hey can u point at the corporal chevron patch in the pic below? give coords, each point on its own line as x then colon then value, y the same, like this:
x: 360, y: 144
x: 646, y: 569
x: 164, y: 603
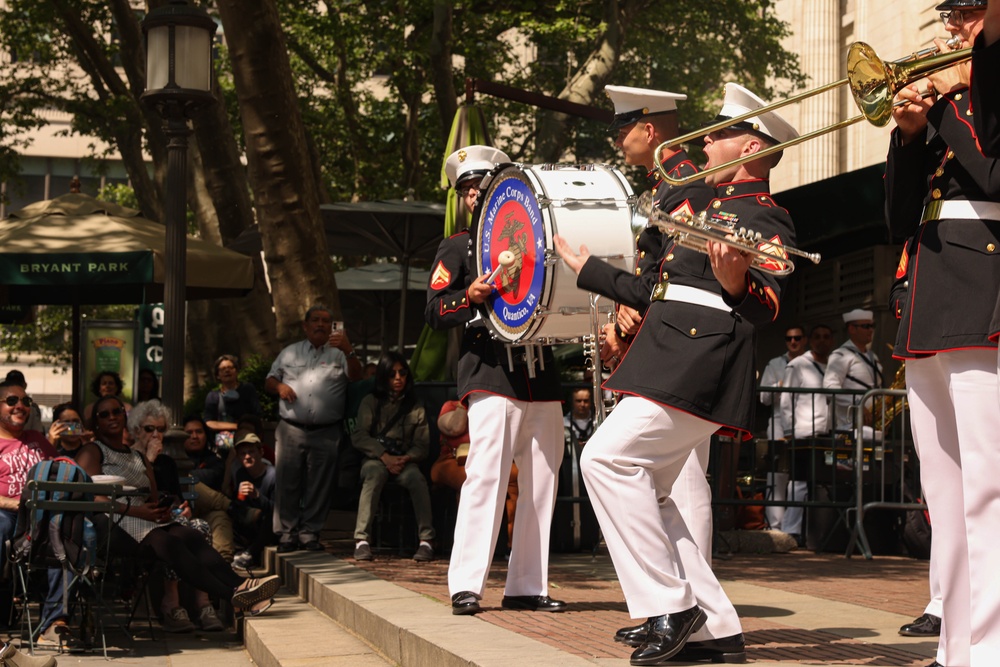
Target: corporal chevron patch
x: 441, y: 277
x: 775, y: 247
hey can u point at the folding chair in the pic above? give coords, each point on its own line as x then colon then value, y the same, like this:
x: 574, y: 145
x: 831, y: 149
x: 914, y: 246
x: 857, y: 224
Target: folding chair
x: 48, y: 502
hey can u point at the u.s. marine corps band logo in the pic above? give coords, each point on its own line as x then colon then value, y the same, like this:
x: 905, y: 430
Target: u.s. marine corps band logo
x: 512, y: 221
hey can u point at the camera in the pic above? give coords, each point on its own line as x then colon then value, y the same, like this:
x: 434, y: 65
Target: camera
x: 73, y: 428
x: 393, y: 446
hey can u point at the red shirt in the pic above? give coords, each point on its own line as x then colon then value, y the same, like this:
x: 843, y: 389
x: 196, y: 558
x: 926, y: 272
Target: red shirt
x: 16, y: 458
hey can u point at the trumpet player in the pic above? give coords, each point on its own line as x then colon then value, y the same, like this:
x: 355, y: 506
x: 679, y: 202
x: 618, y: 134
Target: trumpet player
x: 941, y: 188
x: 644, y: 119
x: 688, y: 374
x: 985, y: 85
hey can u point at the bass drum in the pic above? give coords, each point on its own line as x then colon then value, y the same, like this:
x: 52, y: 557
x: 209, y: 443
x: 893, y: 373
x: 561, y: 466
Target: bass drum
x: 521, y: 208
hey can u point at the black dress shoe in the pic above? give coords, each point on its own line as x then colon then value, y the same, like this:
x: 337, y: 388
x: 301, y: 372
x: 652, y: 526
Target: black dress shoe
x: 634, y: 635
x: 287, y: 547
x: 532, y: 603
x: 667, y: 636
x: 313, y: 545
x: 927, y: 625
x: 730, y: 650
x: 464, y: 603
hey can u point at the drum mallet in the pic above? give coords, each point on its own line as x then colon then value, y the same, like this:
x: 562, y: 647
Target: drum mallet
x: 506, y: 259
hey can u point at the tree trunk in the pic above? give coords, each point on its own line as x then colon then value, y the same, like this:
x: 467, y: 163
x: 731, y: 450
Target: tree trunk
x: 280, y: 172
x: 589, y: 79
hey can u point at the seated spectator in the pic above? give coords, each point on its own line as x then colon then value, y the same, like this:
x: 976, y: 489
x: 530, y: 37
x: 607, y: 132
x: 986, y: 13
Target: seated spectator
x: 146, y: 528
x: 20, y: 449
x: 67, y: 433
x: 35, y: 420
x: 107, y: 383
x: 199, y: 446
x: 579, y: 421
x: 253, y: 501
x: 449, y: 469
x: 232, y: 400
x: 393, y: 435
x: 147, y: 387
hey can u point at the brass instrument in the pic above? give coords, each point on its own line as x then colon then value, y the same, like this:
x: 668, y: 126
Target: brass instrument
x: 694, y: 232
x: 873, y: 84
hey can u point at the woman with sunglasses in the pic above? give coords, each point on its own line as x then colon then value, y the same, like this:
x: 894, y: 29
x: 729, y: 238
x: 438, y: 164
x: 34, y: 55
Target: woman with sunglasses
x: 145, y: 528
x: 393, y: 435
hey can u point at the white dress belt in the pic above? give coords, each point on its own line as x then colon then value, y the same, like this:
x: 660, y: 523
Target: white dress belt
x: 960, y: 209
x: 666, y: 291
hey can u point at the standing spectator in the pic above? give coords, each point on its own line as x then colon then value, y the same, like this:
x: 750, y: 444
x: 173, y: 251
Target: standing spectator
x: 805, y: 415
x: 310, y: 377
x: 393, y: 435
x: 35, y: 420
x: 579, y: 421
x: 107, y: 383
x: 253, y: 501
x: 774, y: 376
x: 225, y: 406
x: 853, y: 365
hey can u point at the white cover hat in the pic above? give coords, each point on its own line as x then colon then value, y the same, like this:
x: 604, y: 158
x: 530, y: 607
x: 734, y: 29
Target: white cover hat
x: 631, y: 104
x: 739, y: 101
x: 471, y: 161
x: 858, y: 315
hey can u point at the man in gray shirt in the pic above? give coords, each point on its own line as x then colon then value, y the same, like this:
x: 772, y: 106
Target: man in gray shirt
x: 310, y: 377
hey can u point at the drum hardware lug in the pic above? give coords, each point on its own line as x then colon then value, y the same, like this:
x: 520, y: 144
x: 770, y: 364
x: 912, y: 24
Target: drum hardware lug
x: 543, y: 201
x: 529, y: 359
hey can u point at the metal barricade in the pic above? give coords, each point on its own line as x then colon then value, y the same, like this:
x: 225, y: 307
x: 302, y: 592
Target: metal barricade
x: 903, y: 479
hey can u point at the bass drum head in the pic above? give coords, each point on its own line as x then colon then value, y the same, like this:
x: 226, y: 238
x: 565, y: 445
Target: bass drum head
x: 510, y: 219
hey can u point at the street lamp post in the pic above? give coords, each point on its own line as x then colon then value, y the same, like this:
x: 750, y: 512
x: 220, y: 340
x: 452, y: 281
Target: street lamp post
x: 178, y: 82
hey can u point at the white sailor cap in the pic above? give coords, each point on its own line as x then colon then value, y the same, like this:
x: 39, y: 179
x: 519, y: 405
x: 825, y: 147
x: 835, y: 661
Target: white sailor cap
x: 739, y: 101
x: 631, y: 104
x: 858, y: 315
x: 472, y: 161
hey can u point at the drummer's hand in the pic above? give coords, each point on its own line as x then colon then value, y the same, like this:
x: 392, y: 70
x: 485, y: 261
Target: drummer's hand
x: 629, y: 320
x: 911, y: 119
x: 480, y: 289
x: 730, y: 266
x: 573, y: 261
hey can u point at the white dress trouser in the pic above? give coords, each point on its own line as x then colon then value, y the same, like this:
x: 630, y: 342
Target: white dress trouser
x: 630, y: 466
x: 693, y: 498
x: 956, y: 422
x: 502, y: 430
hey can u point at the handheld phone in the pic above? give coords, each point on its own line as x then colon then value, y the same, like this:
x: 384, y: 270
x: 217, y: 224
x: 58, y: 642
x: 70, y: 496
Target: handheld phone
x: 73, y: 428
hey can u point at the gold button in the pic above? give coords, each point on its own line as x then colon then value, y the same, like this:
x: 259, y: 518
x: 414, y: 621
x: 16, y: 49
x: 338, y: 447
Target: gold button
x: 958, y: 97
x: 753, y: 285
x: 665, y: 276
x: 939, y: 172
x: 717, y: 204
x: 670, y: 257
x: 642, y: 254
x: 990, y: 247
x: 638, y: 271
x: 730, y: 190
x: 935, y: 193
x: 693, y: 332
x: 950, y: 155
x: 636, y: 238
x: 968, y: 112
x: 653, y: 192
x: 463, y: 300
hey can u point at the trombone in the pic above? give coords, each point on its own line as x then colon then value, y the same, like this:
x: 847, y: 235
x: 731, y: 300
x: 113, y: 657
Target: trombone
x: 873, y: 84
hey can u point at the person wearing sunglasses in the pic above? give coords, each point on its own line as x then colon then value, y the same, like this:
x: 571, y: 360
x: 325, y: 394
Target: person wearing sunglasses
x: 393, y: 435
x: 20, y: 449
x: 773, y: 376
x: 143, y: 525
x: 940, y: 187
x: 854, y: 366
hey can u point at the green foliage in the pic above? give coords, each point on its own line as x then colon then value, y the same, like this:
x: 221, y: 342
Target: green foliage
x: 49, y: 335
x: 119, y: 193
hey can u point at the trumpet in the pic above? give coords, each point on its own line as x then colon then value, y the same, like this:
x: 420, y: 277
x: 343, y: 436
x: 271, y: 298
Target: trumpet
x: 873, y: 85
x: 695, y: 232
